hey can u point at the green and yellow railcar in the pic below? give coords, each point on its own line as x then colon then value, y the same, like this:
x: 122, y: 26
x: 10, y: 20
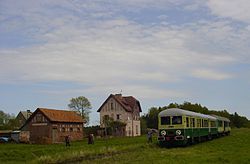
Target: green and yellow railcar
x: 223, y: 125
x: 181, y: 127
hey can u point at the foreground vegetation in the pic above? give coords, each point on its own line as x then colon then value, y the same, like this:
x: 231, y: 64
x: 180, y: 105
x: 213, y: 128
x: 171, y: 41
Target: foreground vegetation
x: 232, y: 149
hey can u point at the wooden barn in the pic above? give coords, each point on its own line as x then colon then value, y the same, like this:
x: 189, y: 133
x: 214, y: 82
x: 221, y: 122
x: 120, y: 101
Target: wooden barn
x: 51, y: 126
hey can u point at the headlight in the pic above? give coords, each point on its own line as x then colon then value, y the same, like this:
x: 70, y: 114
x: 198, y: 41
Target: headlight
x: 163, y: 132
x: 178, y: 132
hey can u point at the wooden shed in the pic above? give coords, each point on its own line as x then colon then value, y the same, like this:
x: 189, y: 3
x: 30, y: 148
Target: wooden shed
x: 51, y: 126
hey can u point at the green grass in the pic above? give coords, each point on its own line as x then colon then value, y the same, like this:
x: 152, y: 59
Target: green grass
x: 231, y: 149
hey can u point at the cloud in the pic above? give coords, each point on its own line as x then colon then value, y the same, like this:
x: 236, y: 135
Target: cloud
x: 142, y: 91
x: 236, y: 10
x: 104, y: 48
x: 211, y: 74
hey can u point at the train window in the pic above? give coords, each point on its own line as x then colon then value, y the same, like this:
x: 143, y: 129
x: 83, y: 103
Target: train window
x: 192, y: 122
x: 165, y: 120
x: 212, y: 124
x: 220, y: 123
x: 187, y: 122
x: 177, y: 120
x: 198, y: 123
x: 226, y: 124
x: 205, y: 123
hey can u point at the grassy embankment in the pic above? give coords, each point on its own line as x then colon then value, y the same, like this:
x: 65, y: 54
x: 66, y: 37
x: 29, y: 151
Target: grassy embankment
x: 232, y: 149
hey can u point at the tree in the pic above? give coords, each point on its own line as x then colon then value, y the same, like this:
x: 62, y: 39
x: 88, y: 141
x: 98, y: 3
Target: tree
x: 112, y: 127
x: 7, y: 121
x: 82, y: 105
x: 143, y: 121
x: 117, y: 128
x: 107, y: 122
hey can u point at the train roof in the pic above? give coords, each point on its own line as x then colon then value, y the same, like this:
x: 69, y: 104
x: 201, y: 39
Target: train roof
x: 220, y: 118
x: 180, y: 112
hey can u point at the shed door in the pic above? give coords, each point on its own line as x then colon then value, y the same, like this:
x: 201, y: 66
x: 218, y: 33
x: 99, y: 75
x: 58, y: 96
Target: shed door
x: 54, y: 135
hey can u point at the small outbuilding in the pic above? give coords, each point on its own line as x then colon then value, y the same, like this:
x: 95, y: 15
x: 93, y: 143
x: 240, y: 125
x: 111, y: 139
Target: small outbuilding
x: 51, y: 126
x: 22, y: 117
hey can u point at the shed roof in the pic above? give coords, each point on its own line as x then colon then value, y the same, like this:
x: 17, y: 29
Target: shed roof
x: 180, y: 112
x: 61, y: 115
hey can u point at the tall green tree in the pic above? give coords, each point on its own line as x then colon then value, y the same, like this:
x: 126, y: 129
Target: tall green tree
x: 82, y: 105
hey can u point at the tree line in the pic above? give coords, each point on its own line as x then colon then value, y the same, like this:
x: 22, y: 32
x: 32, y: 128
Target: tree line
x: 150, y: 120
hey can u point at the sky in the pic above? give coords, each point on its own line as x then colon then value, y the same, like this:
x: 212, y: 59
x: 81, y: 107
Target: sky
x: 160, y: 52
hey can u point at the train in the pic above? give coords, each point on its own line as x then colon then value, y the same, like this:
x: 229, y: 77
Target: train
x: 178, y: 127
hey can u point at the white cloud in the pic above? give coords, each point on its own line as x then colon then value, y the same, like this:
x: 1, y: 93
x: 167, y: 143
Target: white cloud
x: 211, y: 74
x: 238, y: 9
x: 117, y: 51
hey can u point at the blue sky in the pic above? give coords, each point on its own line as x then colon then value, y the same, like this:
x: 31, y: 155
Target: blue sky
x: 158, y: 51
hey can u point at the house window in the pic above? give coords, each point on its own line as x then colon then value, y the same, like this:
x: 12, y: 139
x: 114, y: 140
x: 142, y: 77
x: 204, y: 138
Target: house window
x: 71, y: 129
x: 105, y: 119
x: 118, y: 116
x: 112, y: 106
x: 78, y: 129
x: 63, y: 129
x: 136, y: 129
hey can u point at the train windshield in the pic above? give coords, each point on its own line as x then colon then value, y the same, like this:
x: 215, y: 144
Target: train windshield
x: 176, y: 120
x: 165, y: 120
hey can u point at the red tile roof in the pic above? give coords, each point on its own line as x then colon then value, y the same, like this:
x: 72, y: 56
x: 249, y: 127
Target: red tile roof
x: 61, y: 115
x: 128, y: 103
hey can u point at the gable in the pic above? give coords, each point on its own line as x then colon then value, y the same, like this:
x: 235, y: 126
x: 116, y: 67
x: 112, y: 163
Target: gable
x: 128, y: 103
x: 26, y: 114
x: 39, y: 117
x: 20, y: 116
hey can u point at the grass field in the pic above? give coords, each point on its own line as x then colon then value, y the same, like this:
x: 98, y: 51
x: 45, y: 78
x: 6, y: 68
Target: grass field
x: 231, y: 149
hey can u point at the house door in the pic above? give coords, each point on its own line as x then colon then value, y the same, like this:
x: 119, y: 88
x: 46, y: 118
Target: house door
x: 54, y: 135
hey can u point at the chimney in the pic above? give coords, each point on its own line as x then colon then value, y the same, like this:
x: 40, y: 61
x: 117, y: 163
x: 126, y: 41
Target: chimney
x: 119, y: 95
x: 28, y: 113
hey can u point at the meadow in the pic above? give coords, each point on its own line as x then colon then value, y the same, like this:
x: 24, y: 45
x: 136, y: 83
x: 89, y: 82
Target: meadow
x: 230, y: 149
